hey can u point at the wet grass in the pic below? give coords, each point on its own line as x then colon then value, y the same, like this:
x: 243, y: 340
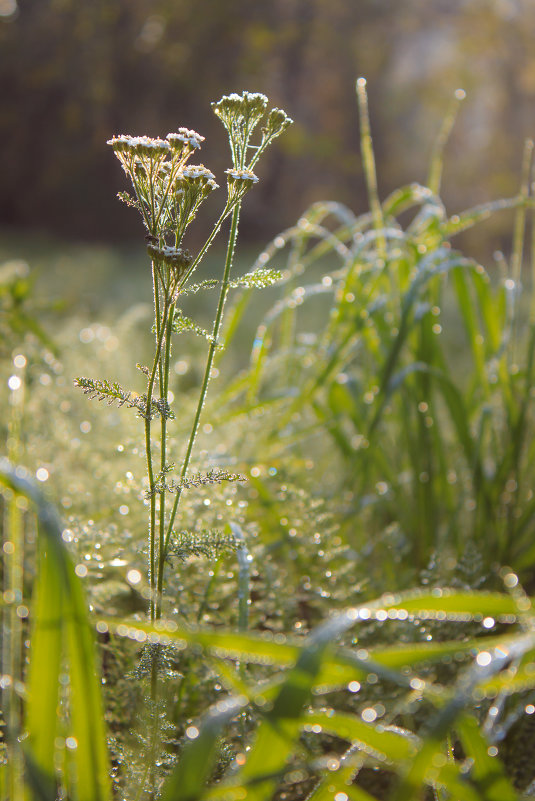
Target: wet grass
x: 370, y: 633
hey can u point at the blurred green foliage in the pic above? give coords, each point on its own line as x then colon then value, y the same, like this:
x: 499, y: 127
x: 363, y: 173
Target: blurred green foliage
x: 72, y: 74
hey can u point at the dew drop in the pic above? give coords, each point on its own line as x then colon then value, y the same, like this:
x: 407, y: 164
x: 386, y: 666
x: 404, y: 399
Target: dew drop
x: 483, y: 659
x: 133, y: 576
x: 14, y: 382
x: 510, y: 580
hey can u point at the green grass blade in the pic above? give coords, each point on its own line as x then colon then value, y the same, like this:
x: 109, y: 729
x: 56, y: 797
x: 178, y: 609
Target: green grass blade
x: 62, y: 620
x: 45, y: 662
x: 275, y: 737
x: 187, y: 781
x: 471, y: 217
x: 378, y: 740
x: 487, y: 772
x: 368, y: 160
x: 437, y: 157
x: 469, y: 317
x: 440, y: 262
x: 90, y: 756
x: 42, y: 785
x: 451, y: 603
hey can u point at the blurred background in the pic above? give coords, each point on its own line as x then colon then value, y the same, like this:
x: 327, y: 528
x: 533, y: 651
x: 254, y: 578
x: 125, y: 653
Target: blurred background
x: 73, y: 73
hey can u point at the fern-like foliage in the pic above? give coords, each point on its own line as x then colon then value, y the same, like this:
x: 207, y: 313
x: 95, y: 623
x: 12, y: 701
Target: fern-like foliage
x: 144, y: 369
x: 207, y: 543
x: 209, y: 283
x: 196, y: 480
x: 258, y: 279
x: 100, y: 390
x: 128, y: 200
x: 212, y: 477
x: 182, y: 323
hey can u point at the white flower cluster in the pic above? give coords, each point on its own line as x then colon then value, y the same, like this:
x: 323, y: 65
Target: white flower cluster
x: 195, y: 178
x: 242, y: 175
x: 139, y: 145
x: 240, y: 114
x: 197, y: 172
x: 185, y: 136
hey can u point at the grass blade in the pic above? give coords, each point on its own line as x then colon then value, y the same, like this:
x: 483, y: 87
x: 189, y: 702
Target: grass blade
x: 62, y: 628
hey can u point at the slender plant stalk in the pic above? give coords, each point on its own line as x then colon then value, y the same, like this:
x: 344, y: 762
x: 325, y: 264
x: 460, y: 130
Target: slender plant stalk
x: 164, y: 331
x: 150, y: 467
x: 163, y: 440
x: 202, y: 395
x: 370, y: 172
x: 168, y: 193
x: 434, y: 178
x: 163, y: 543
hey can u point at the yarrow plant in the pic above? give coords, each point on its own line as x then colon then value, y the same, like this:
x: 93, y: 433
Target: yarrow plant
x: 168, y: 192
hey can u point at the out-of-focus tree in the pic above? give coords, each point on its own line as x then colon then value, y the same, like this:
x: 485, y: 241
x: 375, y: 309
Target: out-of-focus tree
x: 73, y: 73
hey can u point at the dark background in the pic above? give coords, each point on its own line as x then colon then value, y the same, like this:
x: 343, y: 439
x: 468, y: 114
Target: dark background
x: 74, y: 72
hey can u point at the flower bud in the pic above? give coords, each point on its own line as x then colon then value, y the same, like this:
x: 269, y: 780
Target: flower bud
x: 277, y: 122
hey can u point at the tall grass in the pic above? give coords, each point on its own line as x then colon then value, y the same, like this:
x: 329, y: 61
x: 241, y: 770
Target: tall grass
x: 416, y: 360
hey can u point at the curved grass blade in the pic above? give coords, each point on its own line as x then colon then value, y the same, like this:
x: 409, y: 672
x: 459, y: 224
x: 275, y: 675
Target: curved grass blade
x: 487, y: 772
x: 187, y: 782
x: 452, y: 716
x: 471, y: 217
x: 380, y: 741
x: 275, y: 737
x: 62, y: 620
x: 451, y: 604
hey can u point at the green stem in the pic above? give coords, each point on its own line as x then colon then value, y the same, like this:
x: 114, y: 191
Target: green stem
x: 164, y: 393
x: 201, y: 254
x: 204, y: 388
x: 161, y: 323
x: 160, y: 328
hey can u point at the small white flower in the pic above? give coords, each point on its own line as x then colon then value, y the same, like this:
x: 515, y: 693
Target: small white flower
x: 185, y: 136
x: 242, y: 175
x: 139, y: 145
x: 197, y: 172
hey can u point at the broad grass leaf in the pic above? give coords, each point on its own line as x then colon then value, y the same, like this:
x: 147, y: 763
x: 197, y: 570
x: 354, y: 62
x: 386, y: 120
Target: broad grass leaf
x: 47, y: 640
x: 378, y: 740
x: 487, y: 772
x: 62, y: 625
x: 451, y: 603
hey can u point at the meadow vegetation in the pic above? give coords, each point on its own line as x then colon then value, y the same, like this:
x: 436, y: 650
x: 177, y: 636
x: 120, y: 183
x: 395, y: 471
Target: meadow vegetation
x: 282, y: 549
